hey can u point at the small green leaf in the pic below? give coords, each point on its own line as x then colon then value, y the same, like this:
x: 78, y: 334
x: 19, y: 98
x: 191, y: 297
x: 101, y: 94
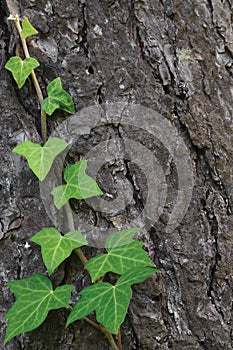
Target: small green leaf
x: 21, y: 69
x: 79, y: 185
x: 57, y: 98
x: 28, y: 29
x: 55, y: 247
x: 117, y: 239
x: 39, y: 158
x: 119, y: 260
x: 110, y: 302
x: 35, y: 298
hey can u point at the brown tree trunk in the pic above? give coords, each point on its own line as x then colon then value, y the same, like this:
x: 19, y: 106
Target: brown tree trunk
x: 176, y: 58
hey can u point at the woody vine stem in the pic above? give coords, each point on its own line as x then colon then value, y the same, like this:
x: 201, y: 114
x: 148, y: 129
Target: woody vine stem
x: 78, y: 251
x: 123, y: 255
x: 34, y: 79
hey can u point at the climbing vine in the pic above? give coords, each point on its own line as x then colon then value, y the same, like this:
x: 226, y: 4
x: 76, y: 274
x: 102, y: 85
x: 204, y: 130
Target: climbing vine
x: 123, y: 256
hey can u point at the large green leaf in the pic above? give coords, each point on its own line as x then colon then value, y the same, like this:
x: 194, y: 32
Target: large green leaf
x: 57, y: 98
x: 21, y: 69
x: 110, y: 302
x: 117, y: 239
x: 39, y: 158
x: 55, y: 247
x: 35, y: 298
x: 119, y: 260
x: 79, y: 185
x: 28, y: 29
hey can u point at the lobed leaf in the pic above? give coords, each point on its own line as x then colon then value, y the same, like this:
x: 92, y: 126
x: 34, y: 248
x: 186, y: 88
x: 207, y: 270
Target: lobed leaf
x: 57, y: 98
x: 79, y: 185
x: 119, y: 260
x: 56, y: 248
x: 110, y: 302
x: 21, y: 69
x: 27, y: 29
x: 40, y: 158
x: 35, y: 298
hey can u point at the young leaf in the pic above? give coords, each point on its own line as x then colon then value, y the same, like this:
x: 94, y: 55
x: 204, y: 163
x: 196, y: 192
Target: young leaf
x: 57, y: 98
x: 110, y: 302
x: 119, y: 260
x: 79, y: 185
x: 55, y: 247
x: 21, y: 69
x: 117, y: 239
x: 28, y: 29
x: 35, y: 298
x: 39, y: 158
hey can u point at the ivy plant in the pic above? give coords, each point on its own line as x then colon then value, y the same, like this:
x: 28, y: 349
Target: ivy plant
x: 57, y: 98
x: 55, y: 248
x: 21, y: 69
x: 27, y: 29
x: 123, y: 256
x: 78, y: 185
x: 40, y: 158
x: 35, y: 298
x: 109, y: 301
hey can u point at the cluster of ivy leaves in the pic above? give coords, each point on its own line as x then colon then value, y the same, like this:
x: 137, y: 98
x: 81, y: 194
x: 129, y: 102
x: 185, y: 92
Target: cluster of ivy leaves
x: 124, y: 256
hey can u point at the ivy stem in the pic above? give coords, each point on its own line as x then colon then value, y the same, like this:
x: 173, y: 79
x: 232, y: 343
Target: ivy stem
x: 81, y: 256
x: 119, y: 339
x: 70, y: 219
x: 34, y: 79
x: 103, y: 330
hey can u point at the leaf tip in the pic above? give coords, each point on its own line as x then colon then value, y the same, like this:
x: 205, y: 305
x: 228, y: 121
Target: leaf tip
x: 5, y: 341
x: 7, y: 337
x: 14, y: 150
x: 50, y: 271
x: 68, y: 323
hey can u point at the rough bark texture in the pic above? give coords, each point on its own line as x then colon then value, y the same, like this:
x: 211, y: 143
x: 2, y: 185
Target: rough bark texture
x: 170, y: 55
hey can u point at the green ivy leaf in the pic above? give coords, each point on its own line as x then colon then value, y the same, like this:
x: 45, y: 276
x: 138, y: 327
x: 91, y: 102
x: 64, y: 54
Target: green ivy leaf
x: 21, y: 69
x: 35, y: 298
x: 28, y: 29
x: 39, y: 158
x: 110, y: 302
x: 137, y: 275
x: 55, y: 247
x: 79, y: 185
x: 119, y: 260
x: 57, y: 98
x: 117, y: 239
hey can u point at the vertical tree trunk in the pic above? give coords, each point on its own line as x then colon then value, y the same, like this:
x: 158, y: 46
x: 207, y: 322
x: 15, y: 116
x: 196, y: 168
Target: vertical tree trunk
x: 174, y: 57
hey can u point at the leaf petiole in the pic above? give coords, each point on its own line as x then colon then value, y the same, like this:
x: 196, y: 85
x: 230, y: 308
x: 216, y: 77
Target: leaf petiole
x: 103, y: 330
x: 119, y: 339
x: 100, y: 328
x: 77, y: 251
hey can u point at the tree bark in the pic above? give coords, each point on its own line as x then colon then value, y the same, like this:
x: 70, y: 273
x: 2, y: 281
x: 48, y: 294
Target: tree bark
x: 176, y: 58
